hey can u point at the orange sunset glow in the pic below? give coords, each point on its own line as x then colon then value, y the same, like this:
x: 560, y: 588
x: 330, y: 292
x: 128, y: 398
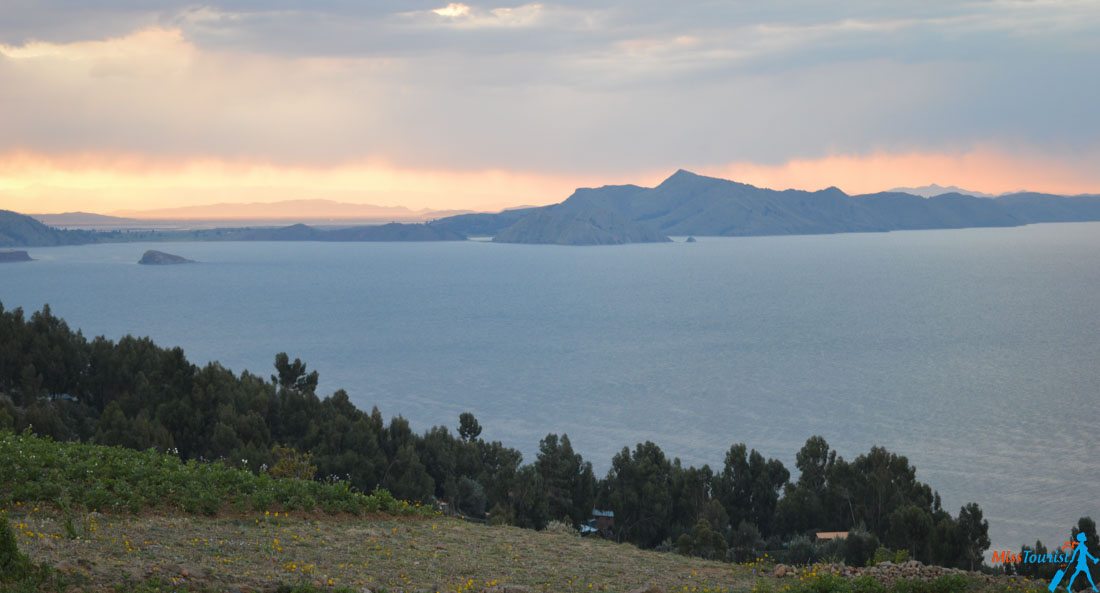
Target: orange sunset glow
x: 200, y: 106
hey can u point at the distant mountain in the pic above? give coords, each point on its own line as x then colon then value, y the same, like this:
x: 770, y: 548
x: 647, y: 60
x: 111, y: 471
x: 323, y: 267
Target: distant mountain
x: 684, y: 204
x: 289, y: 210
x: 932, y: 190
x: 690, y: 204
x: 385, y: 232
x: 19, y: 230
x: 83, y: 219
x: 483, y: 225
x: 566, y: 224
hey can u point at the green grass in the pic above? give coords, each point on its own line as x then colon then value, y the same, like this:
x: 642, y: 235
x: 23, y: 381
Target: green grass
x: 112, y: 520
x: 36, y: 470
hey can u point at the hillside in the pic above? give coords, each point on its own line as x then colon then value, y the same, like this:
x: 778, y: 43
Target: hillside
x: 17, y: 230
x: 568, y: 225
x: 691, y: 204
x: 93, y: 518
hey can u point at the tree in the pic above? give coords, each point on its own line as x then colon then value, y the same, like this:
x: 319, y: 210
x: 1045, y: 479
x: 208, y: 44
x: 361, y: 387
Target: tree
x: 407, y: 479
x: 568, y: 479
x: 637, y: 488
x: 468, y: 427
x: 293, y: 375
x: 974, y: 535
x: 910, y: 529
x: 946, y: 545
x: 749, y: 487
x: 528, y: 499
x: 814, y: 460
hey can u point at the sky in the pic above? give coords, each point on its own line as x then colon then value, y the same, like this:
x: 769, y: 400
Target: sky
x: 128, y: 105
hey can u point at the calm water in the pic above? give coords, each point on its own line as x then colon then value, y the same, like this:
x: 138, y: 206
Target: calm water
x: 974, y: 352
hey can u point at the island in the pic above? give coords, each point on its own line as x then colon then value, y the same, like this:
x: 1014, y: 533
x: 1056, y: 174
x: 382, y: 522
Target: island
x: 160, y: 258
x: 690, y: 239
x: 8, y: 257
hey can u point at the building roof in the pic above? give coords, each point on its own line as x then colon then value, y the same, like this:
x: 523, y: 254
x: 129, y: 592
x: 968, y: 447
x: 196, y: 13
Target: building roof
x: 832, y: 535
x: 599, y: 513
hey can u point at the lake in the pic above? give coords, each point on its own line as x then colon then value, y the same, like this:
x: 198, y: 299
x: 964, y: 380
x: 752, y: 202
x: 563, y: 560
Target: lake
x: 974, y: 352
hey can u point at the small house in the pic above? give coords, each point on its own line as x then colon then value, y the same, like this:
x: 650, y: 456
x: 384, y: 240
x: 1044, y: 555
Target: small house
x: 601, y: 524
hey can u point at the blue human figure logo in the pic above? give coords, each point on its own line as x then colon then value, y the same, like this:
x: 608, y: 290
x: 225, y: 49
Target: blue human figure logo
x: 1082, y: 556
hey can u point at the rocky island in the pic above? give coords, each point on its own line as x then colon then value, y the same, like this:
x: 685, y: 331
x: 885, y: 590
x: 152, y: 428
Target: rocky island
x: 160, y: 258
x: 7, y: 257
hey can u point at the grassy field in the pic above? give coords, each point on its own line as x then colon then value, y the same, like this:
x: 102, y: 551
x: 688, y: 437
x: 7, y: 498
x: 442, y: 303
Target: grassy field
x: 79, y: 517
x: 258, y: 551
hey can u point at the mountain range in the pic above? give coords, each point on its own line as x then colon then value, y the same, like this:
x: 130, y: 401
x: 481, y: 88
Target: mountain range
x: 684, y: 204
x: 933, y: 190
x: 691, y: 204
x: 290, y: 210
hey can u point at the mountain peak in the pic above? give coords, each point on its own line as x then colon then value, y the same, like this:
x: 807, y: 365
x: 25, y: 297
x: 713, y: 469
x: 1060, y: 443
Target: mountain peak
x: 682, y: 174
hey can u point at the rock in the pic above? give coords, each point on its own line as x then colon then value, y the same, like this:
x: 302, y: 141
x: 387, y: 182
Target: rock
x: 160, y: 258
x: 7, y: 257
x: 780, y: 571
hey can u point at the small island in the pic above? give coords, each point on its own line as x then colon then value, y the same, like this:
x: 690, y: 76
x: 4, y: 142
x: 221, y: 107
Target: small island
x: 160, y: 258
x: 690, y: 240
x: 7, y: 257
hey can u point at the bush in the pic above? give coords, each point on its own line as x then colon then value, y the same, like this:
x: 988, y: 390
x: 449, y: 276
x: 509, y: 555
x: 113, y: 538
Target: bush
x: 867, y: 584
x: 102, y: 478
x: 882, y: 554
x: 562, y: 528
x: 800, y: 550
x: 14, y: 565
x: 470, y: 499
x: 859, y: 548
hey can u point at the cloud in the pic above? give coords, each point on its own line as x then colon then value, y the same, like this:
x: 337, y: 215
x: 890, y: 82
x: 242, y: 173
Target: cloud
x: 564, y: 90
x: 983, y: 168
x: 98, y: 182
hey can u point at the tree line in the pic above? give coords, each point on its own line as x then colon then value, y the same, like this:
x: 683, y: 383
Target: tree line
x: 133, y: 393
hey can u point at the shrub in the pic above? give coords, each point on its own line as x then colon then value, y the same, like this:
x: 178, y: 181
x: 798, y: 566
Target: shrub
x: 102, y: 478
x: 867, y: 584
x: 291, y: 463
x: 859, y: 548
x: 13, y: 564
x: 882, y: 554
x: 562, y: 528
x: 800, y: 550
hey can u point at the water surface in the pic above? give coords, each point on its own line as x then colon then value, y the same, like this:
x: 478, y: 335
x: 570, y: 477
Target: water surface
x: 974, y: 352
